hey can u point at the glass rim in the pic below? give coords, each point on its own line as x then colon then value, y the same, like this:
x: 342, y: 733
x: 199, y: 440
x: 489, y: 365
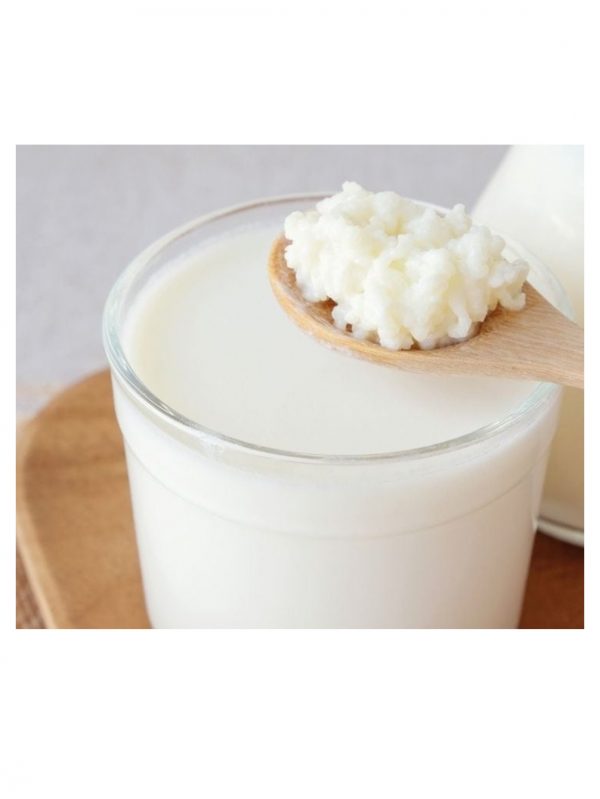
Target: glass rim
x: 120, y: 365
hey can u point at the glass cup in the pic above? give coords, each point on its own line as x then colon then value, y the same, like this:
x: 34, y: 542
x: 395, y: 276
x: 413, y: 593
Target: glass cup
x: 231, y: 534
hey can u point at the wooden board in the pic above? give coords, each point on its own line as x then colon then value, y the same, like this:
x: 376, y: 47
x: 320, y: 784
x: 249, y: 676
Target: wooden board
x: 74, y: 523
x: 76, y: 537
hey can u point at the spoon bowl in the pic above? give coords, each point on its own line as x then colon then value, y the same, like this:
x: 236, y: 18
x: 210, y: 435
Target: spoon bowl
x: 537, y: 343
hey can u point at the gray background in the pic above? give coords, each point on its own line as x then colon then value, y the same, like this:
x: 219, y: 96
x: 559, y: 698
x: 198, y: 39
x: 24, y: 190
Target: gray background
x: 83, y: 212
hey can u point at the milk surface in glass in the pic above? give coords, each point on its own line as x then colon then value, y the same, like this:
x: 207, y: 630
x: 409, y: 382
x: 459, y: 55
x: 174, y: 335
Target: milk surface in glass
x: 536, y: 197
x: 295, y: 511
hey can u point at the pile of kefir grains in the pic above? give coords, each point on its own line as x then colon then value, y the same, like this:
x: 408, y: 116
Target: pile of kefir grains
x: 398, y: 272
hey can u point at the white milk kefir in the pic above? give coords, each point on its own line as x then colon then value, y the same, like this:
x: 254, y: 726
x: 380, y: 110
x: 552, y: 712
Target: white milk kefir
x: 277, y: 483
x: 208, y: 338
x: 536, y: 197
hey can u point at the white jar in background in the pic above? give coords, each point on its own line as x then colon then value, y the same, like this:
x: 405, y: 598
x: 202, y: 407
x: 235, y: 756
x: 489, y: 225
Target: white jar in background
x: 536, y: 197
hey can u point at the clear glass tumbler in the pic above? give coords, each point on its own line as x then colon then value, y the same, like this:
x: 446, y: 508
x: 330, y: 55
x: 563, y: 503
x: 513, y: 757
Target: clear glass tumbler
x: 231, y: 534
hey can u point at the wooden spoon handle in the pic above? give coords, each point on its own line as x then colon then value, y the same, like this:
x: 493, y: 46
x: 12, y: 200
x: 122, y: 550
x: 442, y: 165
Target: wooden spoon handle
x: 539, y: 343
x: 559, y: 361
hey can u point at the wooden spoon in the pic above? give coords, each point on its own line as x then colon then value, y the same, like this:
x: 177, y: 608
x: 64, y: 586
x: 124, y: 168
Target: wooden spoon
x: 537, y: 343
